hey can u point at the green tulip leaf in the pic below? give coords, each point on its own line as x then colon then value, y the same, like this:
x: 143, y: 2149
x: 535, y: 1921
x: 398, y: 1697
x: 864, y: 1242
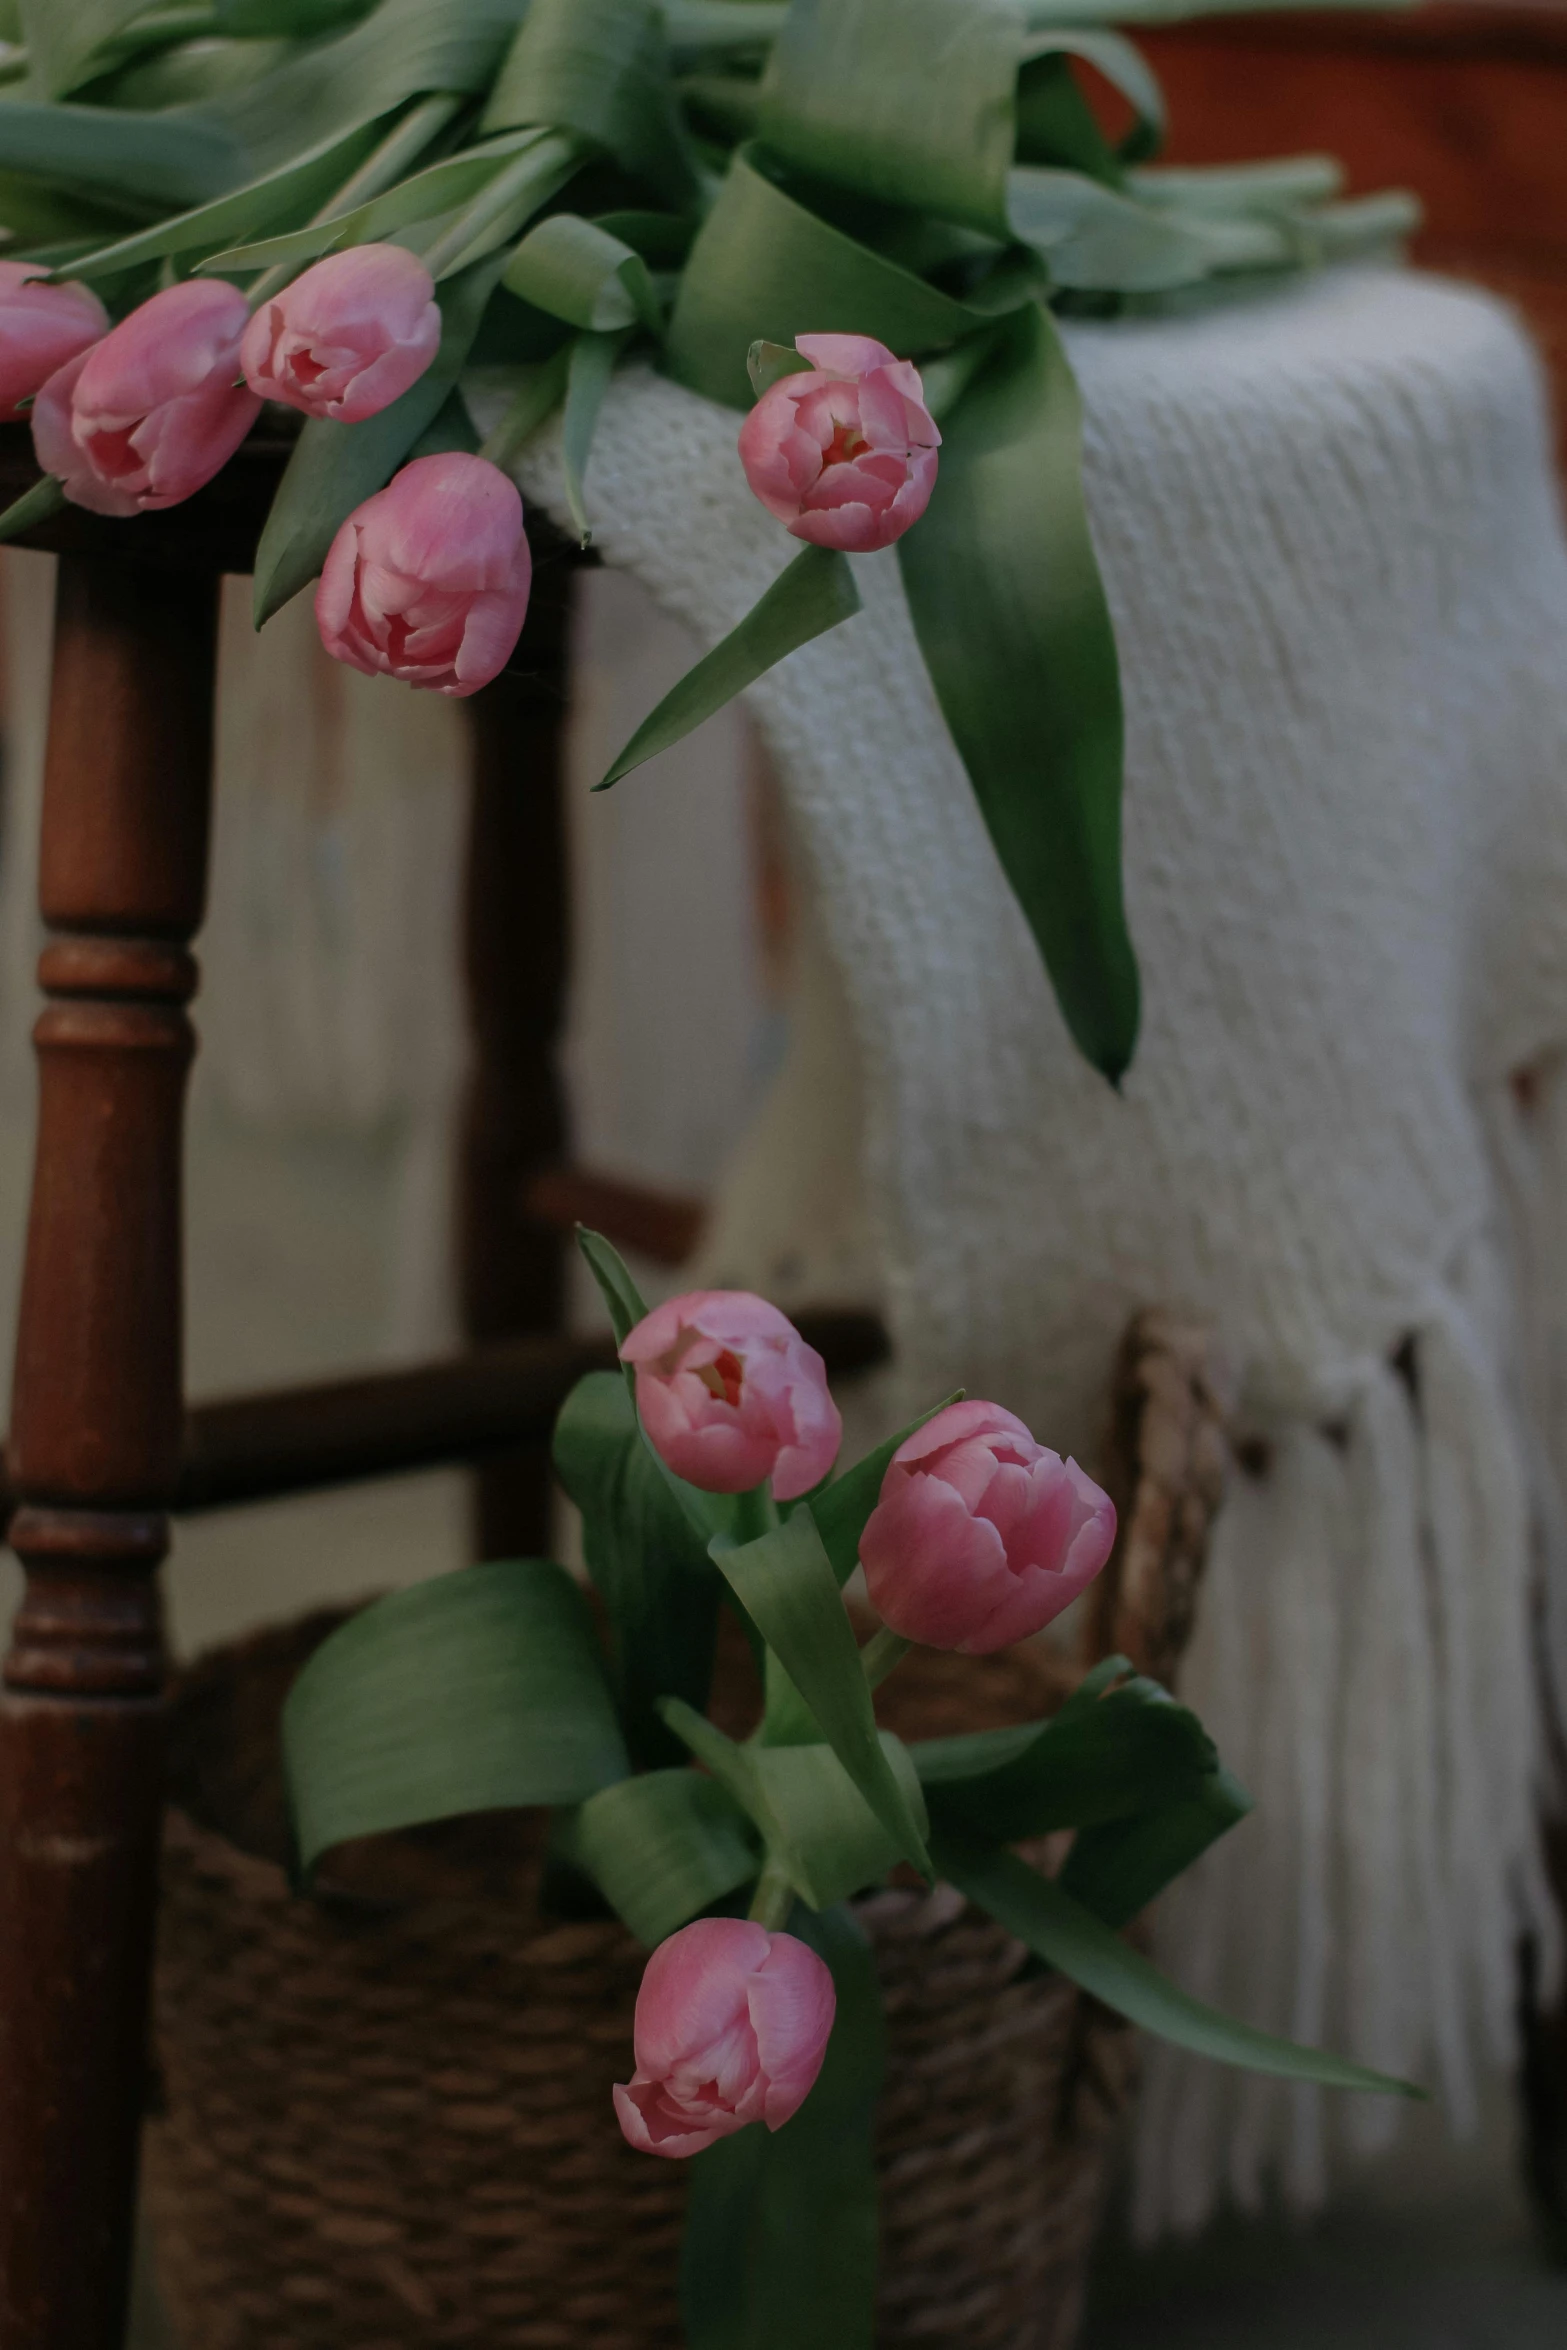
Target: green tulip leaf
x: 1044, y: 1916
x: 660, y: 1848
x: 146, y: 162
x: 785, y: 1582
x: 908, y: 102
x: 765, y: 268
x: 811, y: 595
x: 599, y: 68
x: 1129, y: 1752
x: 292, y: 189
x: 780, y: 2241
x: 649, y: 1564
x: 578, y: 271
x: 441, y: 189
x: 481, y: 1690
x: 592, y: 362
x: 34, y: 506
x: 1116, y: 1867
x: 1011, y: 617
x: 813, y: 1820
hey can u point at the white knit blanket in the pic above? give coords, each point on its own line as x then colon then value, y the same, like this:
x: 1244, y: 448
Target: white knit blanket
x: 1339, y: 585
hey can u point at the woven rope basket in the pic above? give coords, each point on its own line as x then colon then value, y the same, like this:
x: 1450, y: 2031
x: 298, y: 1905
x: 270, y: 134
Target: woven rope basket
x: 384, y: 2116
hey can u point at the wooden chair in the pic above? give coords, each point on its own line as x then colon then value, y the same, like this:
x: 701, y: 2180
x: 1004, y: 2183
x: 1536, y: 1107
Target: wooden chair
x: 101, y: 1447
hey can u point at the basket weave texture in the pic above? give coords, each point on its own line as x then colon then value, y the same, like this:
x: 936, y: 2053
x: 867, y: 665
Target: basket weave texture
x: 385, y: 2116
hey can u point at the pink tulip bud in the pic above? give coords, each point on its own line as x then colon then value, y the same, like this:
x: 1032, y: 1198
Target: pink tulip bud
x: 148, y: 415
x: 844, y: 454
x: 731, y: 2027
x: 41, y: 327
x: 428, y: 580
x: 730, y: 1394
x: 981, y: 1536
x: 348, y: 337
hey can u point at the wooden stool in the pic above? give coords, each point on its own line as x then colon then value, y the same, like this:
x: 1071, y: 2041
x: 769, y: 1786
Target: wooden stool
x: 102, y: 1448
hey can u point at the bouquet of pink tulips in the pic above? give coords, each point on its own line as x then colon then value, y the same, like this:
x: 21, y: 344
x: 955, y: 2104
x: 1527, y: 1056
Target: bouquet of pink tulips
x: 707, y: 1478
x: 341, y: 207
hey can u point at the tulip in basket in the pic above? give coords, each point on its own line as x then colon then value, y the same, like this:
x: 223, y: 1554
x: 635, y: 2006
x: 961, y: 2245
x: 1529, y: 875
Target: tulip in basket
x: 737, y: 1856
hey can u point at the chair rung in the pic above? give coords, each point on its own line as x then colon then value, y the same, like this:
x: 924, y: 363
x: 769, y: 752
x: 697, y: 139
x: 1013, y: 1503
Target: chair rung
x: 383, y: 1423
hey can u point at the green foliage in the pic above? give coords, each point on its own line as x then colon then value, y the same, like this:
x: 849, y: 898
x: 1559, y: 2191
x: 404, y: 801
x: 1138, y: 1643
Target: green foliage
x: 810, y: 595
x: 785, y: 1582
x: 480, y: 1691
x: 1058, y: 1929
x: 1011, y: 617
x: 660, y: 1848
x: 650, y: 1567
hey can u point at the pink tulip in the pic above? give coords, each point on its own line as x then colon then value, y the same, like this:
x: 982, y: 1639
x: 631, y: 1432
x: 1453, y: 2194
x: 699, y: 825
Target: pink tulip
x: 148, y: 415
x: 348, y: 337
x: 981, y: 1536
x: 730, y: 1394
x: 428, y: 580
x: 731, y: 2027
x: 41, y: 327
x: 844, y: 454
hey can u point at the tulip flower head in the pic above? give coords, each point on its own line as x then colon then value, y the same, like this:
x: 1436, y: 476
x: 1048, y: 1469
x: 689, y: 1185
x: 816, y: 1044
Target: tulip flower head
x: 348, y: 337
x: 149, y: 414
x: 41, y: 327
x: 981, y: 1536
x: 730, y: 1394
x: 428, y: 580
x: 731, y: 2026
x: 844, y: 454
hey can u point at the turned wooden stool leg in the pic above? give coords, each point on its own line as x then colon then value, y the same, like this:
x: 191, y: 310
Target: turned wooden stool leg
x: 95, y: 1434
x: 512, y: 1267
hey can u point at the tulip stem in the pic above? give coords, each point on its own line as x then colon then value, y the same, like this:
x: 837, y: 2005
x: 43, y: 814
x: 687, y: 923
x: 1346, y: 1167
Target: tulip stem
x: 774, y: 1897
x: 882, y: 1653
x: 381, y: 169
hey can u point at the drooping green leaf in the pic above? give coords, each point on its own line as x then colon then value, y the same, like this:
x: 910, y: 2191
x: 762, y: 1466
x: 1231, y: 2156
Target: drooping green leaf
x: 144, y: 162
x: 1056, y: 123
x: 1116, y: 1868
x: 292, y: 189
x: 842, y: 1508
x: 335, y: 467
x: 440, y: 189
x: 1066, y: 1935
x: 64, y: 37
x: 600, y: 68
x: 477, y: 1691
x: 592, y: 362
x: 1095, y: 238
x: 786, y: 1584
x: 577, y: 271
x: 909, y: 102
x: 1011, y: 617
x: 814, y: 593
x: 624, y: 1301
x: 660, y: 1848
x: 764, y: 268
x: 402, y: 49
x: 812, y: 1818
x: 780, y: 2241
x: 648, y: 1563
x: 1132, y: 1751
